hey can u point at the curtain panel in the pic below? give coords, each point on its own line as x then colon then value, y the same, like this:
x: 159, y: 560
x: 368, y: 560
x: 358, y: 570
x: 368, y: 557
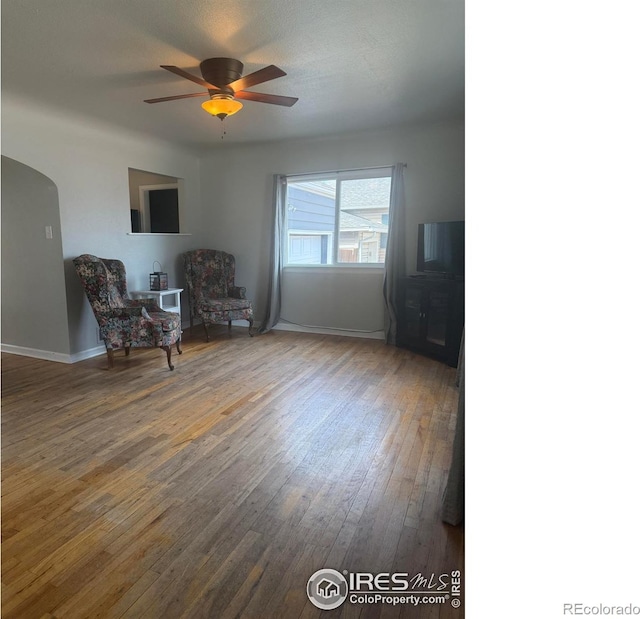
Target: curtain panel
x: 453, y: 500
x: 274, y: 293
x: 395, y: 260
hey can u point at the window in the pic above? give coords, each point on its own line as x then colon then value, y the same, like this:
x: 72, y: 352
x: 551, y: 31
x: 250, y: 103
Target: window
x: 338, y: 219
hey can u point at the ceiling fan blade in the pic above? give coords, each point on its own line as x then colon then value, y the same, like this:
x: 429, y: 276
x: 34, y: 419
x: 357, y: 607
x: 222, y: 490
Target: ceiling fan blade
x: 161, y: 99
x: 264, y: 98
x: 257, y: 77
x: 193, y: 78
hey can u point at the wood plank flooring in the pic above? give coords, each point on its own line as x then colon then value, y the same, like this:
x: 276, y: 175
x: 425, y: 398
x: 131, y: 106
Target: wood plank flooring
x: 218, y: 489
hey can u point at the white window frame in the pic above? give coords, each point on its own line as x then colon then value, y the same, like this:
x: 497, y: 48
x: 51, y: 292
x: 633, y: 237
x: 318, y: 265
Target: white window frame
x: 344, y: 175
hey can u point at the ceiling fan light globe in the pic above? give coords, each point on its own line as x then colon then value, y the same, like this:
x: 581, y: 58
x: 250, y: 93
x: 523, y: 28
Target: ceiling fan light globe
x: 221, y: 107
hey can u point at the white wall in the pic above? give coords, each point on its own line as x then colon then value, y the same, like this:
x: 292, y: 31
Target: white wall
x: 237, y: 209
x: 89, y: 162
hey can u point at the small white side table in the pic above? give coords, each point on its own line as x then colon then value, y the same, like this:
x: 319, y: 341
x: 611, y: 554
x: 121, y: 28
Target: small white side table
x: 168, y: 300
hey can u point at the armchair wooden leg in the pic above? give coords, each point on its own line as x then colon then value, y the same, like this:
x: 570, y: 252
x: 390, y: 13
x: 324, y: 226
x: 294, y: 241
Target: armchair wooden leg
x: 204, y: 324
x: 250, y: 327
x: 167, y: 349
x: 179, y: 346
x: 127, y: 350
x: 110, y: 357
x: 229, y: 325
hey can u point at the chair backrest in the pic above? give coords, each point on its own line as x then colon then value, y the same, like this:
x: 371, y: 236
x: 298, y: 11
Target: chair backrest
x: 209, y: 273
x: 104, y: 282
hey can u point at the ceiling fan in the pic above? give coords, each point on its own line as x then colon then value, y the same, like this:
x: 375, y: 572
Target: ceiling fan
x: 222, y: 77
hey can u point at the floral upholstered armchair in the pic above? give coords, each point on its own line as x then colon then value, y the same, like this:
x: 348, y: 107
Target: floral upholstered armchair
x: 213, y: 295
x: 123, y: 322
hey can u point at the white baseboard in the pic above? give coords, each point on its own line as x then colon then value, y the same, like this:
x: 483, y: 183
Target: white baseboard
x: 89, y: 354
x: 48, y: 355
x: 370, y: 335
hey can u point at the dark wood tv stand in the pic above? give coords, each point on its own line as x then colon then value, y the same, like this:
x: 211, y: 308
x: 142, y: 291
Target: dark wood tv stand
x: 431, y: 316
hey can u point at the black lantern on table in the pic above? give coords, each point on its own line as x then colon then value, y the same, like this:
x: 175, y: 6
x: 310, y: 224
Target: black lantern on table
x: 158, y: 280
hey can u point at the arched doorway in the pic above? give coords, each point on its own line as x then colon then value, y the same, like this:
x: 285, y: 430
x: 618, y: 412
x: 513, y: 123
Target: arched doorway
x: 34, y: 304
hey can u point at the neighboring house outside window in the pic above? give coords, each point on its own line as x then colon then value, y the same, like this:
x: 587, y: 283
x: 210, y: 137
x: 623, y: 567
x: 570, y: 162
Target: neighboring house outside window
x: 352, y: 207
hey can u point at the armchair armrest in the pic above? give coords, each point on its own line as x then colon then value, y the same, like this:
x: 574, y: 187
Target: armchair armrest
x: 238, y: 292
x: 149, y: 304
x: 124, y: 313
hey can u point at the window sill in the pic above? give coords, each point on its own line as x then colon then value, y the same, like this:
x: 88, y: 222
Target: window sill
x: 300, y: 268
x: 158, y: 233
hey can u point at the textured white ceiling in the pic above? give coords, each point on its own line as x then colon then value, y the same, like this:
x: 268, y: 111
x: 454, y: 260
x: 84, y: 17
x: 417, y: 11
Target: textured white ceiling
x: 354, y: 64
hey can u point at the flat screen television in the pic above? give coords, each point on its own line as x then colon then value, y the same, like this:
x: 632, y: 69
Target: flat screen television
x: 441, y: 248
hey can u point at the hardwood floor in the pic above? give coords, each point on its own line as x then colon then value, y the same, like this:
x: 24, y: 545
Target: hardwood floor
x: 218, y: 489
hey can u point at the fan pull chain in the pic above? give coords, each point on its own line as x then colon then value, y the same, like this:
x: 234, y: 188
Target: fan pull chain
x: 223, y: 131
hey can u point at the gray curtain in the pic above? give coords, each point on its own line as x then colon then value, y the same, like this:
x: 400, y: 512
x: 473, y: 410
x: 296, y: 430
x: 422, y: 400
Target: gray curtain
x: 395, y: 260
x: 274, y: 294
x: 453, y: 501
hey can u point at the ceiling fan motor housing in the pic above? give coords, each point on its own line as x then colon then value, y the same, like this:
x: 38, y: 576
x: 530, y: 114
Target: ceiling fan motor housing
x: 221, y: 72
